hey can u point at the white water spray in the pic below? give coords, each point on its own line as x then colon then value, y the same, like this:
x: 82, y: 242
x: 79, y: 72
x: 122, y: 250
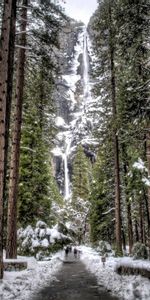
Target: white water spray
x: 86, y: 89
x: 66, y: 171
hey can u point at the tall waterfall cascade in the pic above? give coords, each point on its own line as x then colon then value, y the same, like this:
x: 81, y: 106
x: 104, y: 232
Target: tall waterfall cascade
x: 75, y: 128
x: 86, y: 87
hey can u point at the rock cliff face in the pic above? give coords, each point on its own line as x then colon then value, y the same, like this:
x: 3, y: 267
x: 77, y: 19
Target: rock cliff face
x: 74, y: 102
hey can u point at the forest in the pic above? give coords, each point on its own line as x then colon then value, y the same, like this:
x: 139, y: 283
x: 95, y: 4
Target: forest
x: 74, y: 127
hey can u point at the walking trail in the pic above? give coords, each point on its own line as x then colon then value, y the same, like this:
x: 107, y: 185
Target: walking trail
x: 73, y: 282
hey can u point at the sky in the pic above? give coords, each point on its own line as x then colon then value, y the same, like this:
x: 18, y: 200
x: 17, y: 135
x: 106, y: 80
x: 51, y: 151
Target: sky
x: 80, y: 9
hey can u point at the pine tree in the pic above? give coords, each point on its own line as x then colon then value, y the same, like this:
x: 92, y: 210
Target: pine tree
x: 102, y: 199
x: 11, y: 249
x: 5, y: 42
x: 81, y: 176
x: 37, y: 187
x: 105, y: 47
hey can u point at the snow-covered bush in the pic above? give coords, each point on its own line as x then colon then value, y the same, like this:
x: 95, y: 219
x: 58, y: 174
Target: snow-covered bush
x: 42, y: 240
x: 139, y: 250
x: 104, y: 248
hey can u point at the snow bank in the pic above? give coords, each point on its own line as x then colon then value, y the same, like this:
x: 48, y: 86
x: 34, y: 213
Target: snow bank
x: 24, y: 284
x: 126, y: 287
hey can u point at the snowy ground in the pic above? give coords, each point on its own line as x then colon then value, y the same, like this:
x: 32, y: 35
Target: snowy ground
x: 23, y: 285
x: 126, y: 287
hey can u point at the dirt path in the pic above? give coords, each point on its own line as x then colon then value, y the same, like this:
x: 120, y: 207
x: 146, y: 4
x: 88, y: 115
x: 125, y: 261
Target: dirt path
x: 74, y: 282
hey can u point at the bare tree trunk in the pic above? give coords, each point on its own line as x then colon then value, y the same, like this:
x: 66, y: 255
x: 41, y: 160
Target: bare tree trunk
x: 130, y: 230
x: 123, y: 240
x: 136, y: 231
x: 128, y: 204
x: 148, y: 163
x: 9, y: 6
x: 9, y: 101
x: 141, y: 221
x: 11, y: 249
x: 115, y: 140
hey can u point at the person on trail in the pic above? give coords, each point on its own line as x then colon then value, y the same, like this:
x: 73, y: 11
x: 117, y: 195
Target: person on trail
x: 66, y: 251
x: 75, y: 251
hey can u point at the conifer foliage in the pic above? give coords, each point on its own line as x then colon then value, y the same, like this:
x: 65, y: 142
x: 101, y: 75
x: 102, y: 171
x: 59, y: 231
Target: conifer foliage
x: 119, y: 31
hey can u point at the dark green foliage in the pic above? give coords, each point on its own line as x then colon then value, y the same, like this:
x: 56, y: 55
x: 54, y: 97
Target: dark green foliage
x: 129, y: 28
x: 102, y: 201
x: 81, y: 176
x: 139, y: 251
x: 37, y: 187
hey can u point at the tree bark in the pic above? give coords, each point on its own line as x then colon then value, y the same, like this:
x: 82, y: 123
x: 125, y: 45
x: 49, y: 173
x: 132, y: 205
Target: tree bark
x: 128, y: 204
x: 11, y: 249
x: 115, y: 138
x: 130, y: 230
x: 148, y: 163
x: 141, y: 221
x: 9, y: 100
x: 8, y: 13
x: 136, y: 232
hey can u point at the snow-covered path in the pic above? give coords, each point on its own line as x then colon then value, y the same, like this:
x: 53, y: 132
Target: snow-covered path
x: 47, y: 275
x: 74, y: 282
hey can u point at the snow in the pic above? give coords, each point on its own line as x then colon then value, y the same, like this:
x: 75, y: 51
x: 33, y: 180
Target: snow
x: 41, y: 224
x: 71, y: 80
x: 59, y: 121
x: 126, y: 287
x: 44, y: 243
x: 57, y: 151
x: 30, y: 239
x: 146, y: 181
x: 23, y: 285
x: 140, y: 165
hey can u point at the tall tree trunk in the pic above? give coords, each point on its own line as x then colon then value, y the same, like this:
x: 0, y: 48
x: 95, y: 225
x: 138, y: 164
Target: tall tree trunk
x: 11, y: 249
x: 148, y: 162
x: 141, y: 221
x: 148, y: 166
x: 9, y: 99
x: 128, y: 204
x: 130, y: 230
x: 115, y: 139
x: 9, y: 12
x: 136, y: 231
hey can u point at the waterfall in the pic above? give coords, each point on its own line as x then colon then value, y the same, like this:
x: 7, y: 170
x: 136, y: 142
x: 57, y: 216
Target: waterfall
x: 86, y: 89
x: 66, y: 171
x: 76, y: 128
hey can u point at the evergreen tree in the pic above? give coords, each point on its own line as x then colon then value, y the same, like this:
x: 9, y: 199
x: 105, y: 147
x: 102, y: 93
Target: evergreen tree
x: 11, y: 248
x: 81, y: 176
x: 37, y: 187
x: 128, y: 35
x: 102, y: 217
x: 5, y: 55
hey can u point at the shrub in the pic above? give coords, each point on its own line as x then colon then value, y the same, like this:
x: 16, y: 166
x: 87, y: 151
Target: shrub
x: 139, y: 250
